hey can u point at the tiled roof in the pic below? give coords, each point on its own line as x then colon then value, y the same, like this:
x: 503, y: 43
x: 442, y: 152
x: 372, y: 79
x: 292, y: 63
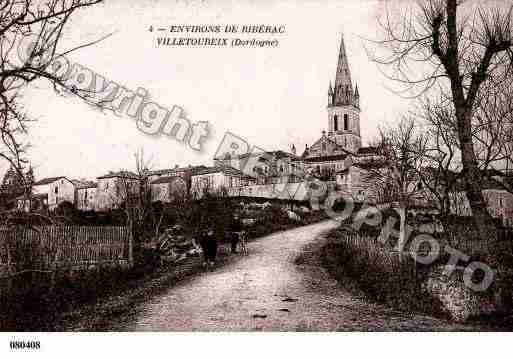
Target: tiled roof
x: 221, y: 169
x: 169, y: 171
x: 277, y: 154
x: 48, y: 180
x: 88, y: 184
x: 121, y: 174
x: 166, y: 179
x: 338, y: 147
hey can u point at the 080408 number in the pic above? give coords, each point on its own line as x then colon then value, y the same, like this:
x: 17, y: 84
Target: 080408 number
x: 18, y: 344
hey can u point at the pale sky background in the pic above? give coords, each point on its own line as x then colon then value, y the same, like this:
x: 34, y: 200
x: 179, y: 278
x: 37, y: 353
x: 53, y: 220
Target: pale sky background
x: 272, y: 97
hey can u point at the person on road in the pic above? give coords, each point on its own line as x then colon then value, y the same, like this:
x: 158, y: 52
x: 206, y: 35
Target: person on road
x: 235, y: 229
x: 208, y: 243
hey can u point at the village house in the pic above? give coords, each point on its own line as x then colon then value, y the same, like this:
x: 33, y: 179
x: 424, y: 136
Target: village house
x: 351, y: 180
x: 48, y: 193
x: 177, y: 171
x: 85, y: 197
x: 183, y: 172
x: 116, y: 189
x: 266, y: 167
x: 499, y: 201
x: 168, y: 189
x: 220, y: 180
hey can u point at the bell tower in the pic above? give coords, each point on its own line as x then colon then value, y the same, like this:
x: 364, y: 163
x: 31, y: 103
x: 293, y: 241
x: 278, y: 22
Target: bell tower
x: 344, y: 106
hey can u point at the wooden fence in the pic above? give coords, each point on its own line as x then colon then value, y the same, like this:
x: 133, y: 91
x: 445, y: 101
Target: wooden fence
x: 51, y: 248
x: 387, y: 255
x: 380, y: 256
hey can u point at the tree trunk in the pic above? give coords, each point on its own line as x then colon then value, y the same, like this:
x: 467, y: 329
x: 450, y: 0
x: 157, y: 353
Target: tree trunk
x: 402, y: 229
x: 482, y: 219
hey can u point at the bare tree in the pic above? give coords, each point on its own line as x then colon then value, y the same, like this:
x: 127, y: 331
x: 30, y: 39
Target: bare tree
x: 395, y: 176
x: 492, y: 124
x: 442, y: 156
x: 458, y: 46
x: 493, y: 130
x: 132, y: 195
x: 41, y: 25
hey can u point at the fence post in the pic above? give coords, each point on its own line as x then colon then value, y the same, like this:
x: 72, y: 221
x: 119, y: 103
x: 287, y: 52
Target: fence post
x: 54, y: 269
x: 9, y: 271
x: 130, y: 248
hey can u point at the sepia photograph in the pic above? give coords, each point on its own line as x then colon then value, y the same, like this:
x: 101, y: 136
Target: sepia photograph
x: 200, y: 166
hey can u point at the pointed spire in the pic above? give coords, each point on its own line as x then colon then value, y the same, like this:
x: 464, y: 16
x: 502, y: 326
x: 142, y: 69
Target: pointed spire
x: 330, y: 90
x: 356, y: 93
x: 343, y: 84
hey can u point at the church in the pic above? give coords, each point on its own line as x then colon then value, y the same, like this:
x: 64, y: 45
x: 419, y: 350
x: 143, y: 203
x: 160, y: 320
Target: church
x: 338, y: 155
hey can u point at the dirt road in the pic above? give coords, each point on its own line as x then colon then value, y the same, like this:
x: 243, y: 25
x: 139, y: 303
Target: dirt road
x: 267, y: 291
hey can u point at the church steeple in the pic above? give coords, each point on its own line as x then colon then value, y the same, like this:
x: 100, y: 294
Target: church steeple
x: 356, y: 96
x: 343, y: 85
x: 344, y: 106
x: 330, y: 95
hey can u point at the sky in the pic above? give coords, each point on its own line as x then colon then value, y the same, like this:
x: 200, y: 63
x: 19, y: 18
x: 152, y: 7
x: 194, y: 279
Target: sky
x: 271, y: 97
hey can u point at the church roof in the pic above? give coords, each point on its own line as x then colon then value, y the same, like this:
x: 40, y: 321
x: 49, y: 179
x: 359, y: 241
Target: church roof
x: 278, y: 154
x: 337, y: 147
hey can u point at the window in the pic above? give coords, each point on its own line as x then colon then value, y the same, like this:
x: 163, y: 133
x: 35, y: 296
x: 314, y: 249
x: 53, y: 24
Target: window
x: 346, y: 122
x: 56, y: 190
x: 335, y: 123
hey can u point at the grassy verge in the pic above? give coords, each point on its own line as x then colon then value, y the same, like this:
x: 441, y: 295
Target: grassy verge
x: 367, y: 268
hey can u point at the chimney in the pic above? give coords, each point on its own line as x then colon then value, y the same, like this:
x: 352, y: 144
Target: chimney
x: 293, y: 149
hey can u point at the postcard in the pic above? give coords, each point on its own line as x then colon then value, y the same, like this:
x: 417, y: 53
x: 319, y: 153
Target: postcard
x: 242, y: 166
